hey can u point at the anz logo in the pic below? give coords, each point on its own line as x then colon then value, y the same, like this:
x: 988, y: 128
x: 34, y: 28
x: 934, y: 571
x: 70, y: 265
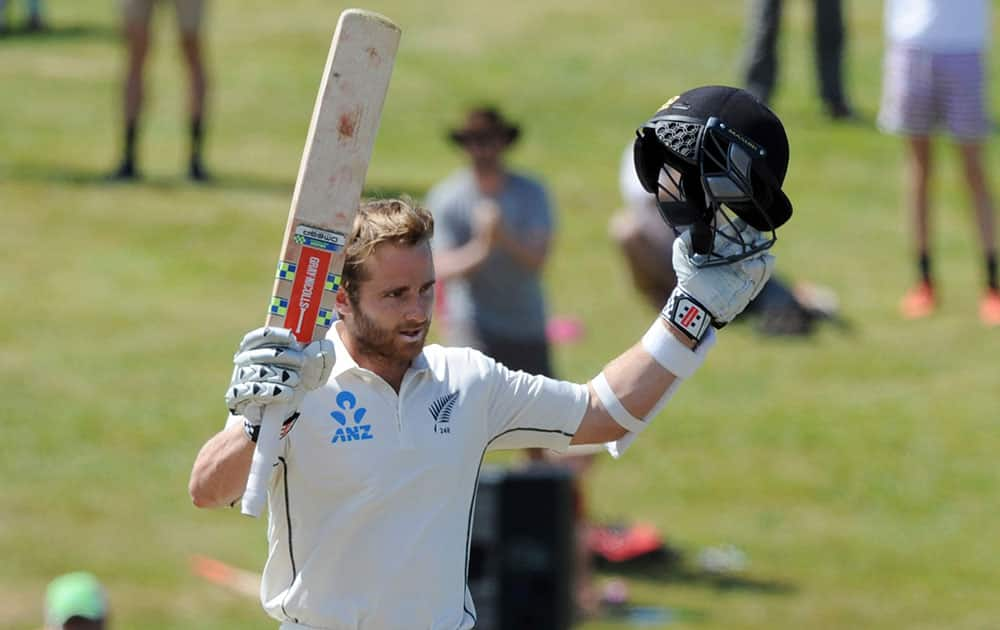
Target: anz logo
x: 441, y: 412
x: 350, y: 417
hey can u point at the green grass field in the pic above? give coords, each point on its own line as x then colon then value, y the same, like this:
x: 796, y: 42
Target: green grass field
x: 856, y: 469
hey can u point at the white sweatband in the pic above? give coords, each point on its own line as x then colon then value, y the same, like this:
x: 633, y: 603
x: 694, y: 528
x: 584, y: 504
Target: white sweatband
x: 614, y: 407
x: 677, y: 359
x: 673, y: 355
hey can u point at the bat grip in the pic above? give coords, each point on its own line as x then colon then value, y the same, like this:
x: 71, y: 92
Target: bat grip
x: 264, y: 457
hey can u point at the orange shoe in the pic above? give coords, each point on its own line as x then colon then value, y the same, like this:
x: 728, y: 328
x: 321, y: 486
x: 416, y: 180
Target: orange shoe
x: 989, y: 308
x: 918, y: 302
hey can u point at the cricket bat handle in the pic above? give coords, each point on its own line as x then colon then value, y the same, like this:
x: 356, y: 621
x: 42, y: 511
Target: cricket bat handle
x: 264, y: 457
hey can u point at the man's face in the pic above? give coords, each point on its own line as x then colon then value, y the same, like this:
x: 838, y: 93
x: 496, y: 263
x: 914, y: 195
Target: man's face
x: 484, y: 144
x: 394, y: 305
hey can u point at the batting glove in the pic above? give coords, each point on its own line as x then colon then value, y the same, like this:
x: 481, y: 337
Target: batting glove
x: 273, y: 367
x: 715, y: 295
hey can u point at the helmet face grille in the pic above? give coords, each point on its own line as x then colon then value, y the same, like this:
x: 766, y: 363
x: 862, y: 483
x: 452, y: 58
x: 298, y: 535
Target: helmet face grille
x: 680, y: 137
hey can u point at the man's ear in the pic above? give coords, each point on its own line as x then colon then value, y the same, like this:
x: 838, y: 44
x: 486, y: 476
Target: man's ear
x: 342, y: 303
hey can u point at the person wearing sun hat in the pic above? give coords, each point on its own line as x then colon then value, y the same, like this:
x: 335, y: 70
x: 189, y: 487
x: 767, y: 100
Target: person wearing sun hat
x: 75, y: 601
x: 491, y: 242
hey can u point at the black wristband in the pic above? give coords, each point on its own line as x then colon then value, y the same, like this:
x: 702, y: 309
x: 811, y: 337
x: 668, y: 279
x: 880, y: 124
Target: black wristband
x: 687, y: 315
x: 252, y: 431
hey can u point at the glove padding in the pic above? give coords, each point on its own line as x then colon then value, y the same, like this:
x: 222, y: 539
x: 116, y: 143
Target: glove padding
x: 724, y: 290
x: 273, y: 367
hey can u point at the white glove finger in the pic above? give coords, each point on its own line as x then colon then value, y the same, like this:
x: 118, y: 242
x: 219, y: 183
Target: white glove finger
x: 681, y: 256
x: 764, y: 265
x: 266, y: 374
x: 284, y: 357
x: 735, y: 234
x: 319, y: 357
x: 238, y: 399
x: 242, y: 394
x: 269, y: 336
x: 253, y: 413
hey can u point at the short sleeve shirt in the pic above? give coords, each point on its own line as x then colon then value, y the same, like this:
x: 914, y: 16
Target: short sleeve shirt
x: 371, y: 506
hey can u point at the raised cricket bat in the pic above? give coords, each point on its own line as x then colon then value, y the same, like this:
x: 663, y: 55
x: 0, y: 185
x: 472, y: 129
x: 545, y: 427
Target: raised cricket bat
x: 327, y: 193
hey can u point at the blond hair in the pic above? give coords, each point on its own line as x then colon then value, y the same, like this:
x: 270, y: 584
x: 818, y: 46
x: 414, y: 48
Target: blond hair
x: 398, y: 221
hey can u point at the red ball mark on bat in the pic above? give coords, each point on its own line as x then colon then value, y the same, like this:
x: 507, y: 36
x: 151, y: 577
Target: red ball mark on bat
x: 348, y: 124
x: 373, y: 56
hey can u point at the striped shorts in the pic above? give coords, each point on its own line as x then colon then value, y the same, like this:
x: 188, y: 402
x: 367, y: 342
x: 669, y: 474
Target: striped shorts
x: 922, y: 90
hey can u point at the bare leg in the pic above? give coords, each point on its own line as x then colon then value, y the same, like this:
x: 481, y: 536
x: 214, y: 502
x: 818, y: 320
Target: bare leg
x: 137, y: 41
x: 137, y: 49
x: 920, y: 301
x: 981, y: 196
x: 197, y: 89
x: 918, y: 190
x: 191, y: 47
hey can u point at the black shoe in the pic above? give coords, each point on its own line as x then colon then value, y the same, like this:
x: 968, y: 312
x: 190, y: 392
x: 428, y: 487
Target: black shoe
x: 839, y: 111
x: 126, y: 172
x: 35, y: 24
x: 197, y: 172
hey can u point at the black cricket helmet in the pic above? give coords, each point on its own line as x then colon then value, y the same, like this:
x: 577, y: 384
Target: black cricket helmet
x: 711, y: 153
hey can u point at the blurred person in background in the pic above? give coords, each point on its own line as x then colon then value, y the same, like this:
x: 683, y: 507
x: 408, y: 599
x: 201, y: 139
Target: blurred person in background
x: 137, y: 16
x: 76, y: 601
x: 760, y: 58
x: 35, y: 22
x: 646, y: 242
x: 493, y: 230
x: 935, y: 77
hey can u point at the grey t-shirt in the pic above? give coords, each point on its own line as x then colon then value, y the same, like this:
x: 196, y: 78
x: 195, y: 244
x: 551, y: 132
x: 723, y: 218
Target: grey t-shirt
x: 501, y: 298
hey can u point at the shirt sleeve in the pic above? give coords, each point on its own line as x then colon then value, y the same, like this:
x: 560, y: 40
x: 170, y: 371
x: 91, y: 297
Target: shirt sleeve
x: 449, y: 231
x: 529, y: 411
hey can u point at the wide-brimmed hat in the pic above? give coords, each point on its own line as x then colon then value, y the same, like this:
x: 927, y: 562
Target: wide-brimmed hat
x: 485, y: 121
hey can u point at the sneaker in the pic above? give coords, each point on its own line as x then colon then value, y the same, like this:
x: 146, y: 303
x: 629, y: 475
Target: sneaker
x: 989, y: 308
x: 35, y: 24
x: 839, y: 111
x: 919, y: 302
x: 197, y: 172
x: 126, y: 172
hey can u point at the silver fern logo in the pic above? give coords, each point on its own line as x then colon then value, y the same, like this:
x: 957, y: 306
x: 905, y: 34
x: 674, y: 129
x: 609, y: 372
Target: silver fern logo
x: 441, y: 412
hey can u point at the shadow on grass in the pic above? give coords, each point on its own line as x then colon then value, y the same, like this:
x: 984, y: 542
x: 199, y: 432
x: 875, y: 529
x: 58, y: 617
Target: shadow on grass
x: 60, y: 33
x: 218, y: 181
x: 86, y: 178
x: 670, y: 566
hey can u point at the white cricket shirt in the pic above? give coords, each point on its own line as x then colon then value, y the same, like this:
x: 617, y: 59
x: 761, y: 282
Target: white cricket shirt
x: 371, y: 507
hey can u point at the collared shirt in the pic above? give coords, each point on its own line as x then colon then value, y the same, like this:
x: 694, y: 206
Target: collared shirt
x: 371, y: 505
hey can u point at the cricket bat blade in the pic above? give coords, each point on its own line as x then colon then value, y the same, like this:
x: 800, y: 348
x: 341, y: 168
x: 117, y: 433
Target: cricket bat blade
x: 327, y: 193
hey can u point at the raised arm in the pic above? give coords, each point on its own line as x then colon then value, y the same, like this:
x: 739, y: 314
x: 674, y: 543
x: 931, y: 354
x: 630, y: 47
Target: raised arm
x: 635, y: 386
x: 219, y: 474
x: 272, y: 367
